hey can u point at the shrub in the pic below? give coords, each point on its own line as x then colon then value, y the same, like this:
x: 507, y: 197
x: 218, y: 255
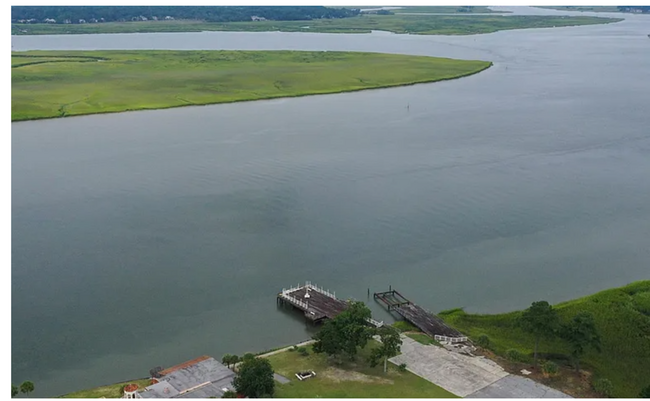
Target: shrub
x: 645, y: 392
x: 294, y: 348
x: 483, y: 341
x: 229, y: 394
x: 515, y: 355
x: 550, y: 368
x: 402, y: 367
x: 603, y: 387
x: 303, y: 351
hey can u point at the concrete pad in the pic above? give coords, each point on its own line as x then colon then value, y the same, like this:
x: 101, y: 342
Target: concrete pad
x: 513, y: 386
x: 280, y: 379
x: 459, y: 374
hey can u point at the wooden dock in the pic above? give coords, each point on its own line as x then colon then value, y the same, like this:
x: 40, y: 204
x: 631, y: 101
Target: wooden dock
x: 420, y: 318
x: 316, y: 303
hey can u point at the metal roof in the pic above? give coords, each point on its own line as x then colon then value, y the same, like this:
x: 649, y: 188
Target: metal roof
x: 203, y: 379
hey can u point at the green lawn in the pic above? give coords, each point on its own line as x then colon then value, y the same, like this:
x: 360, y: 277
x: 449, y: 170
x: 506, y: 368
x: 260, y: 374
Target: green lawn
x: 399, y: 23
x: 68, y: 83
x: 110, y: 391
x: 423, y: 339
x: 622, y: 316
x: 351, y: 380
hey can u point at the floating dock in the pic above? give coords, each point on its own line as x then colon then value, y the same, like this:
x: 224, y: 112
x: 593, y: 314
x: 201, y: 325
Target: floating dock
x: 420, y: 318
x: 316, y: 303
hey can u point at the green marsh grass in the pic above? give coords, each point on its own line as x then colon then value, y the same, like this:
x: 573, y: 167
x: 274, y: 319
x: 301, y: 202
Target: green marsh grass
x: 87, y: 82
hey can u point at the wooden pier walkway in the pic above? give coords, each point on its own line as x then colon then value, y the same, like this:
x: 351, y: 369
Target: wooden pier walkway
x: 317, y: 303
x: 420, y: 318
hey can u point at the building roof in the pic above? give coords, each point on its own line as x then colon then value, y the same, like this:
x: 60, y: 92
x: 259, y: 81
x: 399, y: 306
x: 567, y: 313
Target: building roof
x: 202, y: 377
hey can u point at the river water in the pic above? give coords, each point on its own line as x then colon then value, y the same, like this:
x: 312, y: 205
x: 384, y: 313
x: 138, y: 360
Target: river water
x: 149, y: 238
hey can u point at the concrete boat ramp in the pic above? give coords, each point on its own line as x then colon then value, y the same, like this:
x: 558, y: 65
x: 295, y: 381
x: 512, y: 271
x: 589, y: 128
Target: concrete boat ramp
x: 468, y: 376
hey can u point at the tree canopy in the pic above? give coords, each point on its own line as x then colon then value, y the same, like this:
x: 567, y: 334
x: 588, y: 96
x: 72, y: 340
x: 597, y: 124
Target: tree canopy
x: 255, y: 378
x: 390, y: 346
x: 76, y: 14
x: 344, y: 334
x: 540, y: 320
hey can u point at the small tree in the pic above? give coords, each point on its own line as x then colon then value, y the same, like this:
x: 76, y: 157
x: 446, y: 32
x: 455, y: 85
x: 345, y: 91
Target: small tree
x: 390, y: 346
x: 26, y: 387
x: 539, y: 320
x: 227, y: 360
x: 581, y: 333
x: 229, y: 394
x: 234, y: 360
x: 344, y: 334
x: 603, y: 387
x: 645, y: 392
x: 550, y: 368
x: 255, y: 378
x: 14, y: 391
x: 483, y: 341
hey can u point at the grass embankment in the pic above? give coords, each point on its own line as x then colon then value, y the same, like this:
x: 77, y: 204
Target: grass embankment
x: 350, y: 380
x: 414, y: 333
x: 398, y: 23
x: 622, y: 316
x: 110, y: 391
x: 87, y: 82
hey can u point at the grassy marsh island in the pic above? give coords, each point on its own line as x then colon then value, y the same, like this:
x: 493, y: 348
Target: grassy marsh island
x: 47, y: 84
x: 622, y: 317
x: 397, y: 23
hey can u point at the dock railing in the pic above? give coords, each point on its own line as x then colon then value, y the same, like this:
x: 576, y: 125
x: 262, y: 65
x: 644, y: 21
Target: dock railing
x: 451, y: 340
x: 295, y: 301
x: 311, y: 286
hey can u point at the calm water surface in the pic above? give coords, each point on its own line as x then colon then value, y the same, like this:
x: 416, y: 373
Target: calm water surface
x: 149, y: 238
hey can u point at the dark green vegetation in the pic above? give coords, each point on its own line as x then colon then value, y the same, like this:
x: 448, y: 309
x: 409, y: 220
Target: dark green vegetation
x: 26, y: 387
x: 349, y: 379
x: 110, y: 391
x: 101, y: 14
x: 621, y: 316
x: 540, y: 320
x: 602, y: 9
x: 343, y: 336
x: 76, y: 83
x: 398, y: 23
x: 645, y: 392
x: 389, y: 347
x: 255, y: 378
x: 445, y: 9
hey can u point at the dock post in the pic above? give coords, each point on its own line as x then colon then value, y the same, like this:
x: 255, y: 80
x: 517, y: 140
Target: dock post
x: 368, y: 293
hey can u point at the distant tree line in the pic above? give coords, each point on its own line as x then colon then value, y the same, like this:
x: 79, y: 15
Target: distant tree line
x: 95, y: 14
x: 642, y: 9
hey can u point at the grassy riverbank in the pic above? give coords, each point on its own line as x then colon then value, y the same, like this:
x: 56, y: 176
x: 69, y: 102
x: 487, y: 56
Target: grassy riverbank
x: 398, y: 23
x: 67, y: 83
x: 349, y: 380
x: 622, y: 316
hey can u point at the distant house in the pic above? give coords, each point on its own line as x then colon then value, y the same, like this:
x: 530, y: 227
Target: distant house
x: 203, y: 377
x: 49, y: 21
x: 256, y: 18
x: 168, y: 18
x: 82, y: 21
